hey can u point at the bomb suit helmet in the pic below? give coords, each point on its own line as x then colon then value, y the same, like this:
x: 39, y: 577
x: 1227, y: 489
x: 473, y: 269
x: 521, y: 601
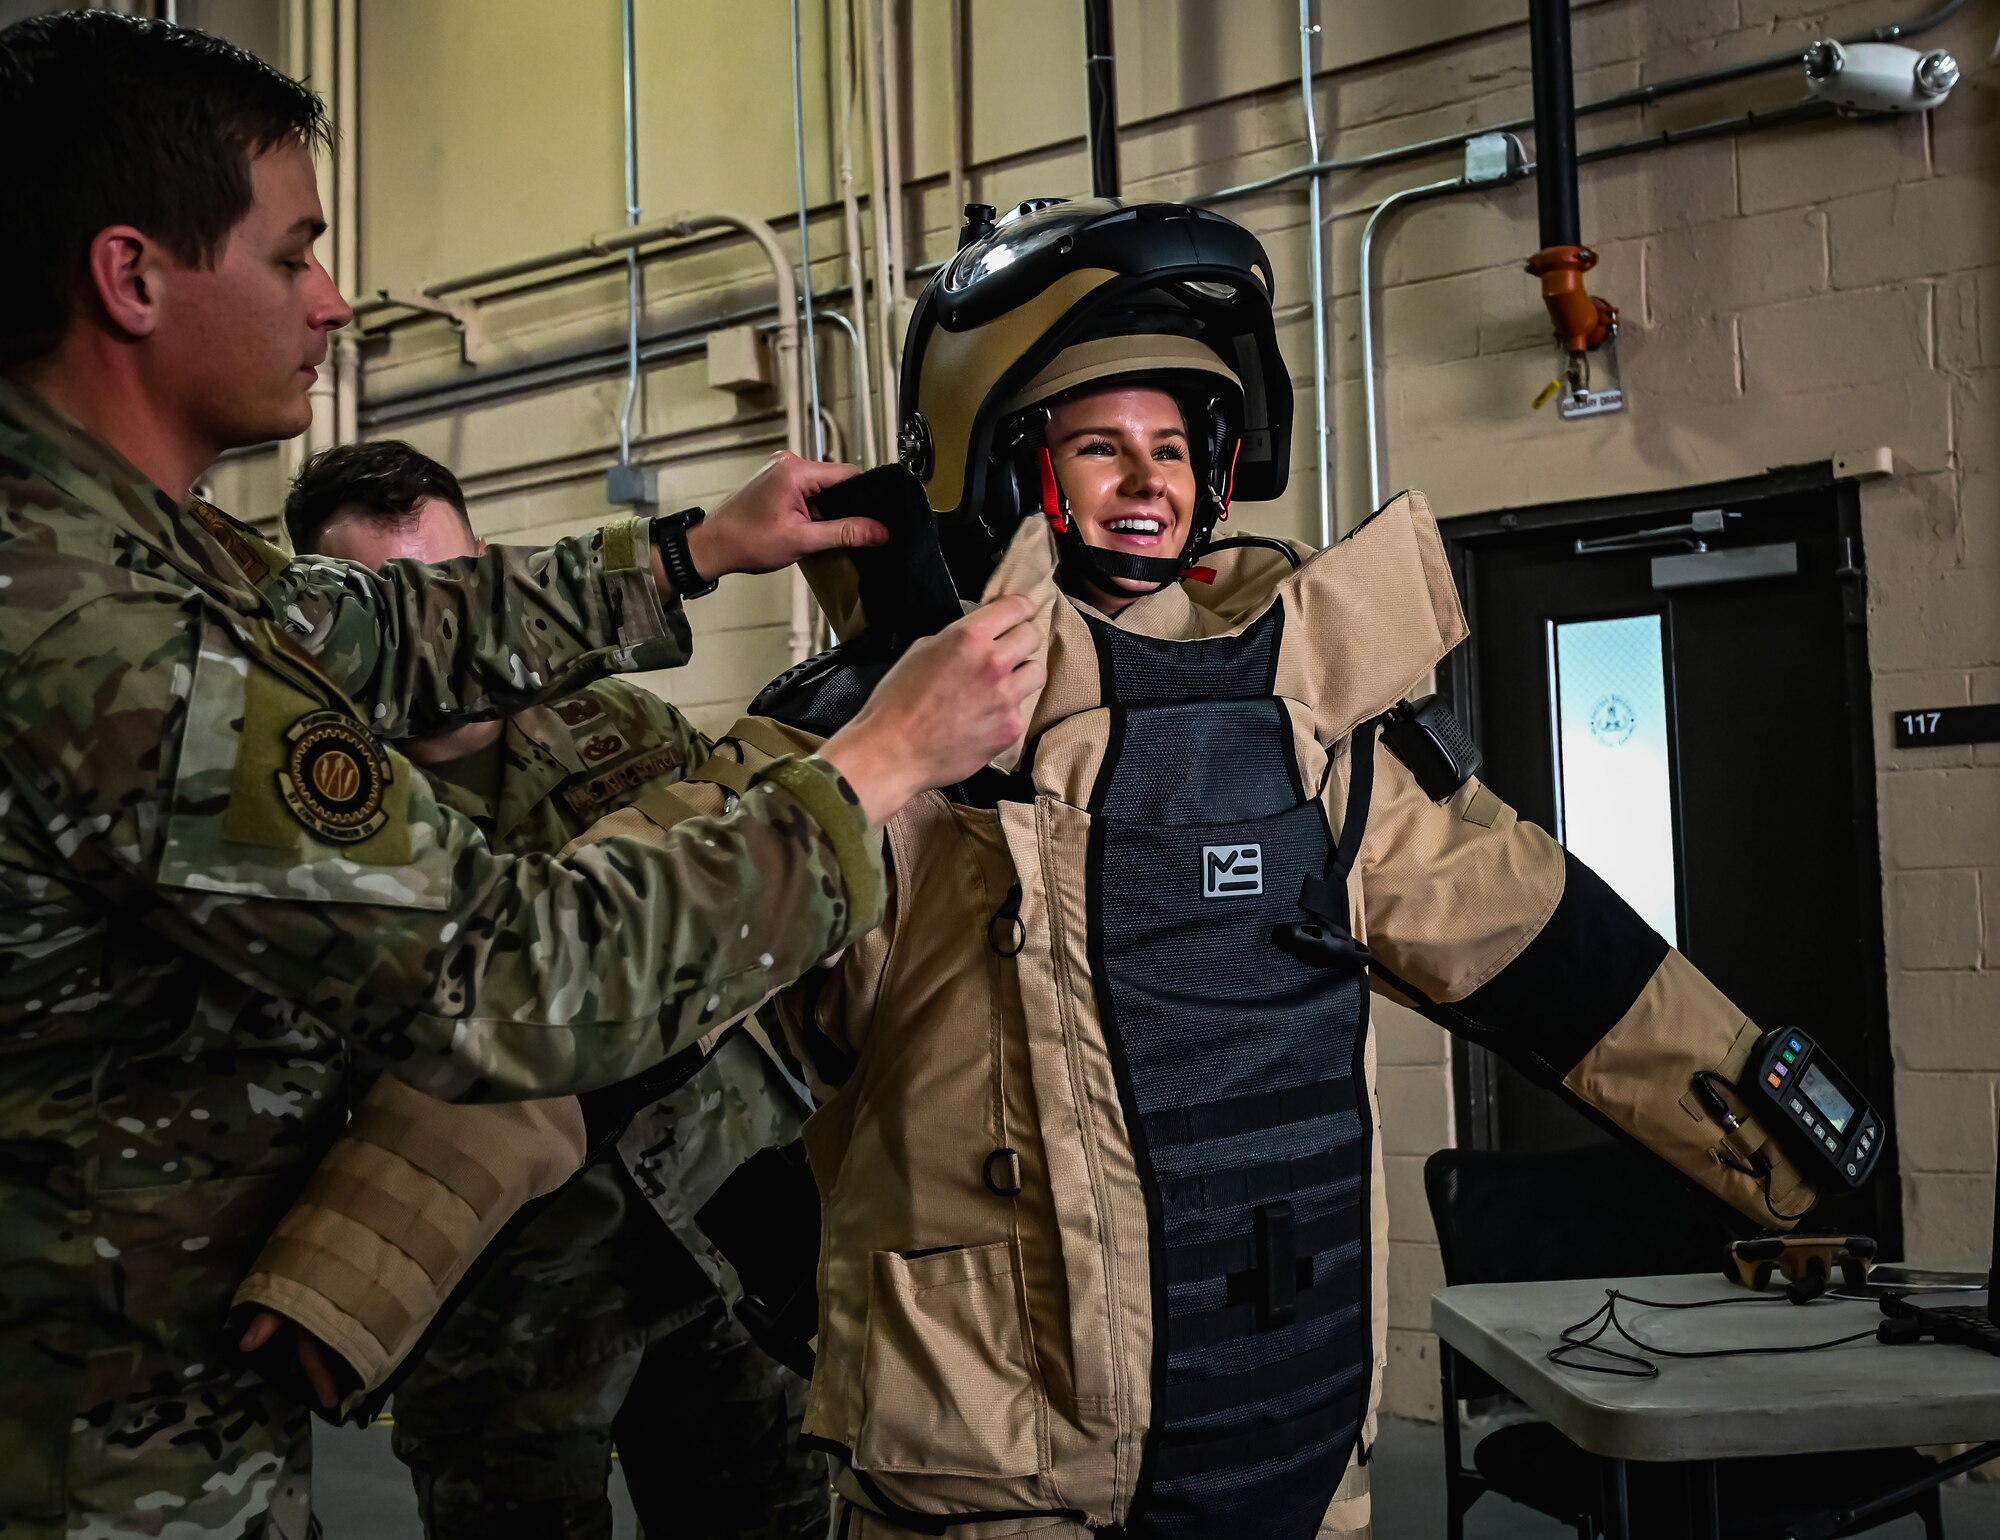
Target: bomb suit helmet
x: 1062, y: 296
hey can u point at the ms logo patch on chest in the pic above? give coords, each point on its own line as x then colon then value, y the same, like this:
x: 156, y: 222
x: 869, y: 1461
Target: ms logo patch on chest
x: 1231, y: 871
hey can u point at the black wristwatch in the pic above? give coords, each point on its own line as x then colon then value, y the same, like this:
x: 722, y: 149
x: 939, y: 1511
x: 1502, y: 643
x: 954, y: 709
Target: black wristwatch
x: 669, y: 534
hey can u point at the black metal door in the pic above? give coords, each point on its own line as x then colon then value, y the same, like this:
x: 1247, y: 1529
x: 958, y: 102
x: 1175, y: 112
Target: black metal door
x: 1695, y: 722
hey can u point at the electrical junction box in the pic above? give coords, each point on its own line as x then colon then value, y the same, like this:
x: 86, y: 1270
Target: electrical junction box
x: 739, y: 360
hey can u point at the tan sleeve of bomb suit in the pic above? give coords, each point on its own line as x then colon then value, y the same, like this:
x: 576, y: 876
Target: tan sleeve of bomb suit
x: 1494, y: 931
x: 412, y: 1191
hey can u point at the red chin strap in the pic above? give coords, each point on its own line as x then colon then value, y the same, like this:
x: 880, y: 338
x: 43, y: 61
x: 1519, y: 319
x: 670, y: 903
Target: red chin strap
x: 1052, y: 501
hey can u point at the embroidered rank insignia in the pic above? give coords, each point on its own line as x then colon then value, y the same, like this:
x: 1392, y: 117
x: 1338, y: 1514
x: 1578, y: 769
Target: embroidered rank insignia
x: 224, y: 532
x: 333, y: 777
x: 576, y: 712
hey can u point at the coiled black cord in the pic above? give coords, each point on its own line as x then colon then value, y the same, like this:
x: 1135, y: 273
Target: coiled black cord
x: 1631, y: 1366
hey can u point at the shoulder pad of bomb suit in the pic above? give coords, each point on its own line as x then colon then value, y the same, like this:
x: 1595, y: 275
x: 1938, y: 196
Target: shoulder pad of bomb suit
x: 1432, y: 744
x: 822, y: 694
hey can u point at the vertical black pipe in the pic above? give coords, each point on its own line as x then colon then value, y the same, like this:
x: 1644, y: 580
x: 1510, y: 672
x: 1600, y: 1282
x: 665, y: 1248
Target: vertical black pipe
x: 1101, y: 89
x: 1555, y: 122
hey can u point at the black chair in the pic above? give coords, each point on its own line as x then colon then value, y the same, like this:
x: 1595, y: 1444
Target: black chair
x: 1611, y: 1212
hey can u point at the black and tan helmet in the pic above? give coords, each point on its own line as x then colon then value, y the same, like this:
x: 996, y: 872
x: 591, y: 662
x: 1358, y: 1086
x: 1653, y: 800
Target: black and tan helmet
x: 1060, y: 296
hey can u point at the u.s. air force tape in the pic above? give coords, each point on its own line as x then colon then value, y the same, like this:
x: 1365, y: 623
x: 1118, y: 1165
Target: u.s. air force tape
x: 333, y: 777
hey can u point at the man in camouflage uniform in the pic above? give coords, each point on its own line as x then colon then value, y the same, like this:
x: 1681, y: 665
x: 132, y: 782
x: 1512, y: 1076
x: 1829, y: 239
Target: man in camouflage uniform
x: 199, y: 813
x: 508, y: 1419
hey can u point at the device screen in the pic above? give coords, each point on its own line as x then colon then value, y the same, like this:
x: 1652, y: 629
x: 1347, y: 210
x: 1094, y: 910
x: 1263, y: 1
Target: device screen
x: 1819, y: 1090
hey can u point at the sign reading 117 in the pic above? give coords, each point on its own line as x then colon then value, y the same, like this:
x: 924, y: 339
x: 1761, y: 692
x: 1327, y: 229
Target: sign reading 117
x: 1942, y: 725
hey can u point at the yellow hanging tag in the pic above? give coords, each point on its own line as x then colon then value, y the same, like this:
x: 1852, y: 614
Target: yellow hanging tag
x: 1549, y: 392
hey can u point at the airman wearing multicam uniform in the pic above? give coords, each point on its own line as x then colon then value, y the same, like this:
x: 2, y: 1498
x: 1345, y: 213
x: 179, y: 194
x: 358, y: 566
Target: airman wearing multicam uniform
x: 200, y: 812
x: 592, y: 1322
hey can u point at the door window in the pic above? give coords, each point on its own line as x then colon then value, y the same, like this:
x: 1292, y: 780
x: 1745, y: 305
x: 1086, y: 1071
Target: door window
x: 1614, y: 793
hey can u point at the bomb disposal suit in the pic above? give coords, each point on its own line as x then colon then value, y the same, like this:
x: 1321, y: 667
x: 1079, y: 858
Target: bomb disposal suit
x: 1103, y: 1235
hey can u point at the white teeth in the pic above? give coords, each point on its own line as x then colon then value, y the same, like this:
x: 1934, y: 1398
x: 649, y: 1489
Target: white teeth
x: 1136, y: 526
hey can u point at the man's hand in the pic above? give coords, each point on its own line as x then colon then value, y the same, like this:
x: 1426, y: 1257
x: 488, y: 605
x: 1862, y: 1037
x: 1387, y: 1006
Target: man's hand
x: 766, y: 524
x: 950, y: 704
x: 316, y: 1360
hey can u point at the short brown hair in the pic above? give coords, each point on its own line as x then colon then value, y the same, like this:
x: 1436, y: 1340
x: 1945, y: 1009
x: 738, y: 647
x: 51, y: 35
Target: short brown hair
x: 385, y: 478
x: 134, y: 122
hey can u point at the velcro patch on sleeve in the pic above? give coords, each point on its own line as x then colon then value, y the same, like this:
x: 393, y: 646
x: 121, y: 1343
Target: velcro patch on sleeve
x: 300, y: 766
x: 278, y: 795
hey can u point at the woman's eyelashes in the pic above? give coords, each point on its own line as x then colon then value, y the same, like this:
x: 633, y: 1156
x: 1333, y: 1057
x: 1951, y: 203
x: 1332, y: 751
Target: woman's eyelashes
x: 1104, y: 447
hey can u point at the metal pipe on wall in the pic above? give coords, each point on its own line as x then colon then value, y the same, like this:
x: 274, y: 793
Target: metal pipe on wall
x: 850, y: 210
x: 296, y: 32
x: 879, y: 200
x: 1638, y: 96
x: 1100, y: 91
x: 507, y: 382
x: 346, y: 213
x: 1555, y: 122
x: 634, y: 297
x: 892, y: 157
x: 960, y: 194
x: 1316, y: 270
x: 811, y: 361
x: 1799, y: 112
x: 789, y: 388
x: 1371, y: 426
x: 890, y: 300
x: 323, y: 71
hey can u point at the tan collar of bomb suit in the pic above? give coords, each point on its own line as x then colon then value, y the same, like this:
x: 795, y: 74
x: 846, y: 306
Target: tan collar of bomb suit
x: 1387, y: 577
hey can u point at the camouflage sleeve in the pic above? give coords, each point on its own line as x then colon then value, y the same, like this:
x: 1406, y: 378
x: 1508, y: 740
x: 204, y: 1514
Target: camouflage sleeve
x: 418, y: 647
x: 200, y: 790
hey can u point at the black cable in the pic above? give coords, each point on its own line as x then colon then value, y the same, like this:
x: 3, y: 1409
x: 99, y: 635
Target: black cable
x: 1758, y: 1166
x: 1645, y: 1369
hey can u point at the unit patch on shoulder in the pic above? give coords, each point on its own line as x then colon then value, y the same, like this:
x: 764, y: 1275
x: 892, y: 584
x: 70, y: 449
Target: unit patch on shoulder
x: 333, y: 777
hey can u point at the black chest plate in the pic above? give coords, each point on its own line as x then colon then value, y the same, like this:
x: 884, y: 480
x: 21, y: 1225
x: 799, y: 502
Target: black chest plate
x: 1242, y: 1075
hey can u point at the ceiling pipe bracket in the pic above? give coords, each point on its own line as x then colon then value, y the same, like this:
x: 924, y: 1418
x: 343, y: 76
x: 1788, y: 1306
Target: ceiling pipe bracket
x: 462, y: 314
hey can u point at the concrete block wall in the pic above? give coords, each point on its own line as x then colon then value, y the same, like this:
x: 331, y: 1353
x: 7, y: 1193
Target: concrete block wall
x: 1788, y: 295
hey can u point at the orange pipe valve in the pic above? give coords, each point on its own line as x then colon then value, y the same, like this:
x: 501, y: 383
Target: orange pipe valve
x: 1582, y: 322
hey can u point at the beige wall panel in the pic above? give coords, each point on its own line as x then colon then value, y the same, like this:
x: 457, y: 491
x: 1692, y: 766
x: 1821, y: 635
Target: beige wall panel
x: 1959, y: 1133
x: 251, y: 486
x: 1410, y: 1385
x: 1948, y: 1219
x: 715, y: 106
x: 1933, y: 919
x: 1944, y: 1021
x: 1416, y: 1271
x: 488, y: 132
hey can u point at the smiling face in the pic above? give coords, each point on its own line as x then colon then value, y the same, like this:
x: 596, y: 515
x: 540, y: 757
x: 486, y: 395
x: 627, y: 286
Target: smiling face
x: 1123, y: 459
